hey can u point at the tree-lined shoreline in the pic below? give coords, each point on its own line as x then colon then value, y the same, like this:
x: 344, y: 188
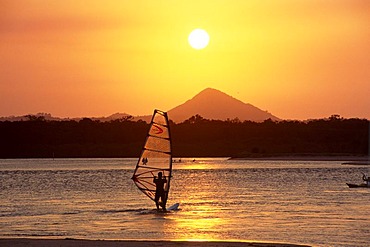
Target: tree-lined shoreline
x: 195, y: 137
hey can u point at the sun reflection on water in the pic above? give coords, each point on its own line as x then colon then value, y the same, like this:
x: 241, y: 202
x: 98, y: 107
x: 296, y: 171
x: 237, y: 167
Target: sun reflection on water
x: 200, y: 218
x: 200, y: 225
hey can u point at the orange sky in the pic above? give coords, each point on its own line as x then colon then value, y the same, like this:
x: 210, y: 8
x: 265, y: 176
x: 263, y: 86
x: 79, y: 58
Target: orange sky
x: 298, y: 59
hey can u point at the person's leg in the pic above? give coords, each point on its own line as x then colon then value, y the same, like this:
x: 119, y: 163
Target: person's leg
x: 163, y: 205
x: 156, y: 199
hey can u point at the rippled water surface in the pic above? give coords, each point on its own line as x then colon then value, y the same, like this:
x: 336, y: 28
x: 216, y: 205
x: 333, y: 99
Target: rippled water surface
x: 305, y: 202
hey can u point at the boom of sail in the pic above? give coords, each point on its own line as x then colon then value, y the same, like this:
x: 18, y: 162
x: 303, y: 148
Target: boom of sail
x: 156, y: 156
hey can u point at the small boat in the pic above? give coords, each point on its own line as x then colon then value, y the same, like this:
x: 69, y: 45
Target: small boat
x: 365, y: 184
x: 358, y: 185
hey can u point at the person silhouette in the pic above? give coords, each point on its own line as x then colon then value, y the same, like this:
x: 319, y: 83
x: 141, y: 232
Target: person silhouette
x: 159, y: 191
x: 366, y: 179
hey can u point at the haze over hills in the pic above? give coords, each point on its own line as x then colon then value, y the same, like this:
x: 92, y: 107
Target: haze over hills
x: 209, y: 103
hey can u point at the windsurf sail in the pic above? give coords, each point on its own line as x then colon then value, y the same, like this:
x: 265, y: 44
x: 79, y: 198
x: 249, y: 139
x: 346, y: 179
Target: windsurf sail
x: 156, y: 156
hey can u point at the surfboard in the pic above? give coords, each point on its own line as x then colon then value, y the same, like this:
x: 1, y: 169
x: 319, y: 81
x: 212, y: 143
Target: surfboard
x: 174, y: 207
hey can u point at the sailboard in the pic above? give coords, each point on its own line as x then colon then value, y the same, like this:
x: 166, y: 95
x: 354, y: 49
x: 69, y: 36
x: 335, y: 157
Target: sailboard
x: 156, y: 156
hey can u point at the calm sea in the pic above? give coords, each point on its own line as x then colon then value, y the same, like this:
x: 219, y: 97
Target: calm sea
x: 302, y: 202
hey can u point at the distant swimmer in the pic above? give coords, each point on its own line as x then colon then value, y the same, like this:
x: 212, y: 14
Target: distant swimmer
x: 159, y: 191
x: 366, y: 179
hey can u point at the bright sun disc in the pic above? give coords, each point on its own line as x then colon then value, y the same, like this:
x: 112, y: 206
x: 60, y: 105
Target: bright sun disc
x: 198, y: 39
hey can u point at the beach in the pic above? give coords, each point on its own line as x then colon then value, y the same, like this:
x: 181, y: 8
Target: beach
x: 20, y: 242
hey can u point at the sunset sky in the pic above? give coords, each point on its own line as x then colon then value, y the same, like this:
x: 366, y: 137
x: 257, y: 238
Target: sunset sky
x: 297, y: 59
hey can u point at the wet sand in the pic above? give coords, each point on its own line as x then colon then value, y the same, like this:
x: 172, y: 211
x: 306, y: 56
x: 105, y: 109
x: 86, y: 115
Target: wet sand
x: 21, y: 242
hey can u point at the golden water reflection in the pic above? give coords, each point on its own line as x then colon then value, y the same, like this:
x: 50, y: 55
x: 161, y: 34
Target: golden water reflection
x: 202, y: 213
x: 201, y: 224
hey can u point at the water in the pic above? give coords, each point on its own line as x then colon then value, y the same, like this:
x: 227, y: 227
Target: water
x: 274, y: 201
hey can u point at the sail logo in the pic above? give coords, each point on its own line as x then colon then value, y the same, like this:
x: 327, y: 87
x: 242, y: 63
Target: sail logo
x: 158, y: 130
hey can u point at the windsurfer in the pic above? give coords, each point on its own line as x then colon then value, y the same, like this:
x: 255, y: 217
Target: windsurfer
x: 159, y: 191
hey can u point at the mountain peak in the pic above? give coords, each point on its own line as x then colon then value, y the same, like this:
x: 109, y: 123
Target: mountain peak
x: 210, y: 94
x: 211, y: 103
x: 210, y: 90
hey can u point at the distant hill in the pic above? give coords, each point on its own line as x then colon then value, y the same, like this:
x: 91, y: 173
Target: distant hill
x: 39, y: 116
x: 209, y: 103
x: 49, y: 117
x: 115, y: 116
x: 214, y: 104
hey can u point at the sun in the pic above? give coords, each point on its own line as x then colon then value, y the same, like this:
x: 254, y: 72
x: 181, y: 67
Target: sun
x: 198, y: 39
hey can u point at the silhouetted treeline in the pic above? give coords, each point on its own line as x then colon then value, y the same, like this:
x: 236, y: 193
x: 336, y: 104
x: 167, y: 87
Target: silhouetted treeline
x: 195, y: 137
